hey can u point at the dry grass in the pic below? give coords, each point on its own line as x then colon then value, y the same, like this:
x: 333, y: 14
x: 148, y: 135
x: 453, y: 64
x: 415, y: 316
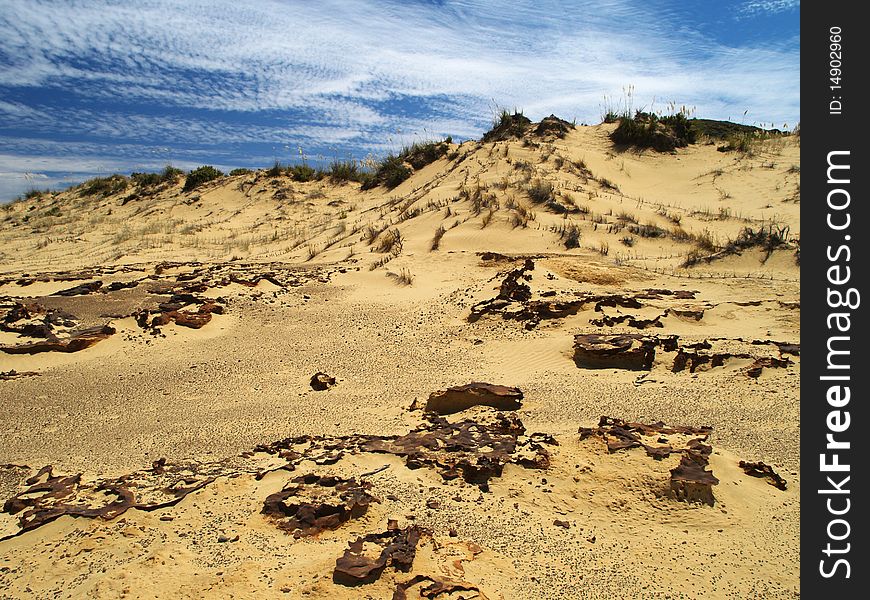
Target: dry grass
x: 436, y: 239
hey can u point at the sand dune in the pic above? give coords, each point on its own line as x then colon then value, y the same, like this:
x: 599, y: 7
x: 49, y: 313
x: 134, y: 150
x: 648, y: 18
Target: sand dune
x: 158, y: 344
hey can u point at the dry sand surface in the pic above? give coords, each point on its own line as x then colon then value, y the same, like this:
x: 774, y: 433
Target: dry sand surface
x: 158, y: 347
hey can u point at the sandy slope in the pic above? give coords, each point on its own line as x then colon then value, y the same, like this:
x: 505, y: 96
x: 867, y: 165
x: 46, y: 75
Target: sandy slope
x: 242, y: 379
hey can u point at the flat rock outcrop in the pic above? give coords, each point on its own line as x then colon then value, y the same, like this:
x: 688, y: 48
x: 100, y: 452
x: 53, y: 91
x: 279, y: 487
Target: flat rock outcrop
x: 461, y: 397
x: 312, y: 503
x: 617, y: 351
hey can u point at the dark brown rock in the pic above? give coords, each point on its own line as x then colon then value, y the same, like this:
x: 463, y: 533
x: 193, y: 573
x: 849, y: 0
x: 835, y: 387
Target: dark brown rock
x: 81, y: 290
x: 691, y: 481
x: 398, y: 549
x: 462, y: 397
x: 474, y: 450
x: 765, y: 471
x: 321, y: 381
x: 51, y: 496
x: 438, y: 586
x: 626, y: 351
x: 78, y: 340
x: 311, y: 503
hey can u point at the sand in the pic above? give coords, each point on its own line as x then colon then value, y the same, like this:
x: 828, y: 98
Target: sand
x: 209, y: 395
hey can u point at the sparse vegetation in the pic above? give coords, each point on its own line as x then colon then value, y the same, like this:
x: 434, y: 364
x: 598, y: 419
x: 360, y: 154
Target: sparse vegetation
x: 767, y: 237
x: 391, y: 242
x: 649, y: 130
x: 541, y: 192
x: 104, y: 186
x: 304, y: 173
x: 341, y: 171
x: 487, y: 218
x: 507, y: 125
x: 403, y: 277
x: 390, y: 173
x: 240, y: 171
x: 169, y: 174
x: 436, y: 239
x: 569, y: 234
x: 199, y: 176
x: 393, y: 169
x: 34, y: 193
x: 649, y: 230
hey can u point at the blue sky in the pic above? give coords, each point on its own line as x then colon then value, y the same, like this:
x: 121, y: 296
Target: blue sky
x: 95, y: 87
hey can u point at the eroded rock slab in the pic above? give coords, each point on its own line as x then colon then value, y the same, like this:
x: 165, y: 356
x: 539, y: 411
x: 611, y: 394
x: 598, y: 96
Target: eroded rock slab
x: 617, y: 351
x: 764, y: 471
x: 462, y: 397
x: 437, y: 587
x: 476, y: 451
x: 313, y: 503
x: 49, y: 496
x: 690, y: 481
x: 76, y: 341
x: 359, y: 565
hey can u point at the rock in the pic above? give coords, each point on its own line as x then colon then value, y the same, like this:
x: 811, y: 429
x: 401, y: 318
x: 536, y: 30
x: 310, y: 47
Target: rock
x: 475, y: 450
x: 754, y: 370
x: 691, y: 481
x: 78, y: 340
x: 398, y: 549
x: 621, y: 435
x: 81, y: 290
x: 437, y: 587
x: 311, y: 503
x: 120, y: 285
x: 321, y: 381
x: 13, y: 374
x: 462, y: 397
x: 626, y: 351
x: 50, y: 496
x: 629, y: 320
x: 760, y: 469
x: 562, y: 524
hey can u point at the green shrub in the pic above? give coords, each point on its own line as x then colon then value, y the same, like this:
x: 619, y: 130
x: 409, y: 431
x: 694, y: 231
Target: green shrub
x: 240, y: 171
x: 391, y: 171
x: 104, y: 186
x: 146, y: 179
x: 170, y: 173
x: 344, y: 170
x: 507, y: 126
x: 34, y: 193
x: 648, y: 130
x: 201, y: 175
x: 420, y: 154
x: 303, y: 173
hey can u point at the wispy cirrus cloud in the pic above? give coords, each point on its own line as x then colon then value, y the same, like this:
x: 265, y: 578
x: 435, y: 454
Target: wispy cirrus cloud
x: 754, y: 7
x: 238, y: 79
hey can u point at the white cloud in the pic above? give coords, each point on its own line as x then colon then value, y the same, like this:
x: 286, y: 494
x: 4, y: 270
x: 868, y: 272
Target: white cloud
x: 755, y: 7
x: 351, y: 73
x: 300, y: 55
